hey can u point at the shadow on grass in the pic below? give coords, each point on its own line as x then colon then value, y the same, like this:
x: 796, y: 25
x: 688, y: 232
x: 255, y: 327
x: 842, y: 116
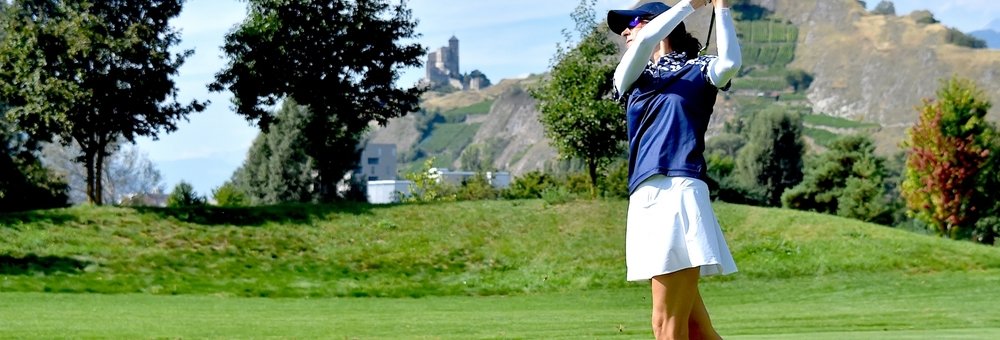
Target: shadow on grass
x: 33, y: 264
x: 257, y: 216
x: 49, y: 216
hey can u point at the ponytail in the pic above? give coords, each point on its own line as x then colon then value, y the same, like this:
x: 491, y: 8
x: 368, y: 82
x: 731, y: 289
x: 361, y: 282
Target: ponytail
x: 682, y: 41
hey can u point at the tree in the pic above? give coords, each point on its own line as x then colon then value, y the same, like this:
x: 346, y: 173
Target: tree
x: 184, y: 195
x: 278, y: 168
x: 950, y: 146
x: 479, y: 157
x: 579, y: 118
x: 92, y: 72
x: 956, y: 37
x: 228, y: 195
x: 339, y: 58
x: 923, y: 17
x: 720, y: 156
x: 799, y: 80
x: 126, y: 172
x: 746, y: 10
x: 771, y: 161
x: 846, y: 180
x: 24, y: 183
x: 885, y: 7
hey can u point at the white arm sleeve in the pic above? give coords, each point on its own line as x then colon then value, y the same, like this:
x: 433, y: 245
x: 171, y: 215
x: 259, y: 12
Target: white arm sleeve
x: 725, y: 67
x: 645, y: 42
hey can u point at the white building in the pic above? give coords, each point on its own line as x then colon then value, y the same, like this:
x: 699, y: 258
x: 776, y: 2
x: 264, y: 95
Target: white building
x: 378, y: 162
x: 378, y: 169
x: 499, y: 180
x: 387, y: 191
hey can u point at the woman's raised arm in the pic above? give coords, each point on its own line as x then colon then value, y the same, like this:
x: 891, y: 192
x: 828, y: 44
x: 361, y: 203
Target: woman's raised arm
x: 725, y: 67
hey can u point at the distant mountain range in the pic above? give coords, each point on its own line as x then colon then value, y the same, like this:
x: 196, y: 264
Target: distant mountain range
x: 990, y: 36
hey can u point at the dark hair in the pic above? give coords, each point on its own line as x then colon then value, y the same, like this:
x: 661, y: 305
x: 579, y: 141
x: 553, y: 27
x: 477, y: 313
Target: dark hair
x: 682, y: 41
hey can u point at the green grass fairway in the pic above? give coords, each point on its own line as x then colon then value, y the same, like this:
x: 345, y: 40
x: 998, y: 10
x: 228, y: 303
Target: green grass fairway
x: 924, y: 306
x: 468, y: 270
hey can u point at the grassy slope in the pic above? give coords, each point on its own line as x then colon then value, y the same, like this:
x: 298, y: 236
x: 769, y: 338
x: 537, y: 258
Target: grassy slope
x: 465, y: 248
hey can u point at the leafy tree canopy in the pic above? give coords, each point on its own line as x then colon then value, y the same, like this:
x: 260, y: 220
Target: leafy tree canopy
x: 771, y: 161
x: 952, y: 147
x: 277, y: 168
x: 339, y: 58
x: 846, y: 180
x: 579, y: 118
x: 92, y: 72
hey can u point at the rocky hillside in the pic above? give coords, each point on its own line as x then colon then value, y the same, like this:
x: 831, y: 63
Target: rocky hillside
x: 877, y: 68
x: 869, y: 70
x: 508, y: 132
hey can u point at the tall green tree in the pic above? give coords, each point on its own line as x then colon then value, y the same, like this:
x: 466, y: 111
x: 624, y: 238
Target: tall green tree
x: 846, y: 180
x: 771, y: 160
x: 339, y: 58
x: 278, y: 168
x: 951, y: 150
x: 580, y: 119
x: 92, y: 72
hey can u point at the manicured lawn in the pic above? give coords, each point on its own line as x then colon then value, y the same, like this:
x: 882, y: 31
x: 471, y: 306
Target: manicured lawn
x: 955, y: 305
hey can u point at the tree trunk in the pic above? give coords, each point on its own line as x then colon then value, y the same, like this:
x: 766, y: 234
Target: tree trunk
x: 99, y: 179
x: 592, y: 169
x: 88, y: 157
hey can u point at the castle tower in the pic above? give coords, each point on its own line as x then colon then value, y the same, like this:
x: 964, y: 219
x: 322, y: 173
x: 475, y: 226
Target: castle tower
x: 452, y: 61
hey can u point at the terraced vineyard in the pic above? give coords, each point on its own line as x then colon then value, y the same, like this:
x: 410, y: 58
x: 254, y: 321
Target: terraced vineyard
x: 768, y: 46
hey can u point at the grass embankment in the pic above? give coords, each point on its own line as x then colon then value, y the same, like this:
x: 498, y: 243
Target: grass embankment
x: 464, y: 248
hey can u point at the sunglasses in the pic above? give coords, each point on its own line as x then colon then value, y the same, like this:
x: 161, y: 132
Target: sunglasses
x: 635, y: 22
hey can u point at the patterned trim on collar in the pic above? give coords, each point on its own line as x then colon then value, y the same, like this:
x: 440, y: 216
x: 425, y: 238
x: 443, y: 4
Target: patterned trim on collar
x: 675, y: 61
x: 666, y: 67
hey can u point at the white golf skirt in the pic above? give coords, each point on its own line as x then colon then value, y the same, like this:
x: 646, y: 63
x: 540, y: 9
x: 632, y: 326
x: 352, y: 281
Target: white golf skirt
x: 670, y: 227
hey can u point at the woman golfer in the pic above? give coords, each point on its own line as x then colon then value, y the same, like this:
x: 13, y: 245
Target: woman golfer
x: 673, y: 237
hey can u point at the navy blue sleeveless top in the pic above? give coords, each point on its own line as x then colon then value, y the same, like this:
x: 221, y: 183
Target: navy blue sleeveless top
x: 668, y: 109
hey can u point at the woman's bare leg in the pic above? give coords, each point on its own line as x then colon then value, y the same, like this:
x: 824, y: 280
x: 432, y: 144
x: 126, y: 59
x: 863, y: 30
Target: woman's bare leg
x: 674, y: 298
x: 700, y: 324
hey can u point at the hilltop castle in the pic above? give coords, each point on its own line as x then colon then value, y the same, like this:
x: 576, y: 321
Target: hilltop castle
x: 442, y: 70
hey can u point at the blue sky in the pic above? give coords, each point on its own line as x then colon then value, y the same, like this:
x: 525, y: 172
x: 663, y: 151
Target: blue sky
x: 501, y: 38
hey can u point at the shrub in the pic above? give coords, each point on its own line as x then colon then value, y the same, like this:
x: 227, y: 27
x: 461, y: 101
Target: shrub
x: 426, y: 188
x: 557, y: 195
x: 228, y: 195
x: 529, y: 185
x: 477, y: 188
x: 184, y: 195
x: 614, y: 183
